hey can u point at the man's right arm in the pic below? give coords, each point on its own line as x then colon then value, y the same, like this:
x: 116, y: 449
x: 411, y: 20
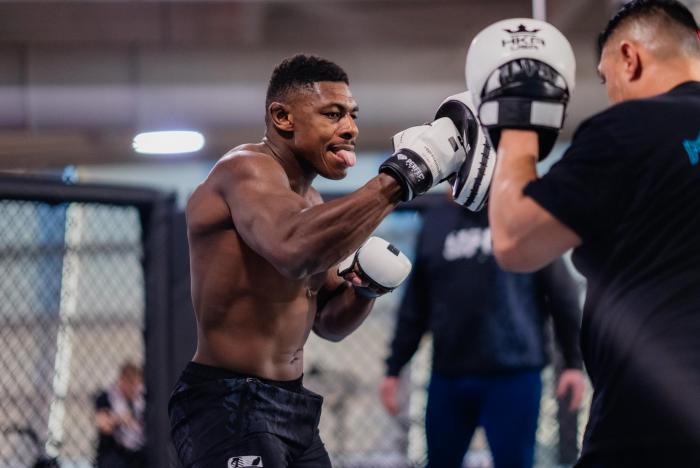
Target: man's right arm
x: 277, y: 223
x: 300, y: 240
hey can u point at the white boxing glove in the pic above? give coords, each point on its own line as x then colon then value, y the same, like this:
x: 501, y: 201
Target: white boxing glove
x: 424, y: 156
x: 378, y: 263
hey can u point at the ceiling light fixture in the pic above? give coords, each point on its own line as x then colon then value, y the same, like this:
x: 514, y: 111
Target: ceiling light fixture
x: 168, y: 142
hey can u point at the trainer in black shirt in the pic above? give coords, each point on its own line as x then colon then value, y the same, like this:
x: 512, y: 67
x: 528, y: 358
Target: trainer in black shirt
x: 626, y: 196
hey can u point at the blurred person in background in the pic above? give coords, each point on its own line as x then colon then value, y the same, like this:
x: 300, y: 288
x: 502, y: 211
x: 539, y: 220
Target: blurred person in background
x: 119, y: 417
x: 489, y: 340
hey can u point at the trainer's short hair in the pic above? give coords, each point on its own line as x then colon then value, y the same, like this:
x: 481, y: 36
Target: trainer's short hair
x: 671, y: 12
x: 301, y: 71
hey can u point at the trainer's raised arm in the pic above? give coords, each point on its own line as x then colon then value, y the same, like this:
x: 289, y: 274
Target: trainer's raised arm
x: 521, y: 74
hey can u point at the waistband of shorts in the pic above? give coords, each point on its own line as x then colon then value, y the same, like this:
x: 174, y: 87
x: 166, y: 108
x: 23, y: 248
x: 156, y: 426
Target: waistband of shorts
x: 204, y: 373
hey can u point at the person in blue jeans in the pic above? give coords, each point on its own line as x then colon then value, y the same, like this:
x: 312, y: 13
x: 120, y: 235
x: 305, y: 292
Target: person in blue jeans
x: 489, y: 340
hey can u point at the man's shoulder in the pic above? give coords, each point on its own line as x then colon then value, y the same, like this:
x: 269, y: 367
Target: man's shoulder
x: 617, y: 114
x: 238, y: 171
x: 239, y: 164
x: 244, y: 160
x: 634, y: 125
x: 633, y: 112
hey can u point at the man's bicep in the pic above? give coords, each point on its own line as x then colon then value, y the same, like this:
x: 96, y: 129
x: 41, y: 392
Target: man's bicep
x: 331, y: 287
x: 332, y: 281
x: 261, y: 203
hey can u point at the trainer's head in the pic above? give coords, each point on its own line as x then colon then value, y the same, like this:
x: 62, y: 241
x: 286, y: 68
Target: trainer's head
x: 647, y: 48
x: 310, y: 106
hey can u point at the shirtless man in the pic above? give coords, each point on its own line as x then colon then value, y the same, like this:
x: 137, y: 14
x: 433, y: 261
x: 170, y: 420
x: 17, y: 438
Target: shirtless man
x: 264, y: 253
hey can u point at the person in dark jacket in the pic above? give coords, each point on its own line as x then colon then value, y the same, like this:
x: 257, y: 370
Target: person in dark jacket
x: 119, y: 417
x: 489, y: 340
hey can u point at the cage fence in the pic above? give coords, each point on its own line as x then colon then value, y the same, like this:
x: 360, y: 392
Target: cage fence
x: 71, y: 312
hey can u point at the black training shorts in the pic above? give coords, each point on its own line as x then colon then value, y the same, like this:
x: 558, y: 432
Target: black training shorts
x: 219, y: 418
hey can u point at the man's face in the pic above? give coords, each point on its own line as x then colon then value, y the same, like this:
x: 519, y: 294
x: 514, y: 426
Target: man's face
x: 325, y: 129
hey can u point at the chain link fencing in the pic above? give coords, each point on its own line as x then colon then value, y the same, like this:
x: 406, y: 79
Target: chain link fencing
x: 76, y: 282
x: 74, y: 305
x: 71, y: 312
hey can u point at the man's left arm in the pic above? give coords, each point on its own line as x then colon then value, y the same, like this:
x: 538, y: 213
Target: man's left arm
x: 348, y: 294
x: 525, y: 235
x: 340, y: 310
x: 562, y: 302
x: 522, y: 95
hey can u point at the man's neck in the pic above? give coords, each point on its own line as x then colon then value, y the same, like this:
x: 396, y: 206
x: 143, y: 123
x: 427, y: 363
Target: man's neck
x: 299, y: 172
x: 667, y: 75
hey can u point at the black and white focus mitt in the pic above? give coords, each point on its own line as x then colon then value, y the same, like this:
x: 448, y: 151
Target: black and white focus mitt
x: 521, y: 74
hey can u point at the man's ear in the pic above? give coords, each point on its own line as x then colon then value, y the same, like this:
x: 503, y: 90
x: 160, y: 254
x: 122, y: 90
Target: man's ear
x: 280, y: 116
x: 631, y: 59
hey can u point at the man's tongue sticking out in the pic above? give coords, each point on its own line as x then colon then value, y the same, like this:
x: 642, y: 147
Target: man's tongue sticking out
x: 348, y: 156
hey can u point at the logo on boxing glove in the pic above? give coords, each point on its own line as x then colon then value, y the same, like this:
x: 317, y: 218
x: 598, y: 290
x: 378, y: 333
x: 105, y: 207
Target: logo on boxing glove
x: 414, y: 169
x: 522, y: 38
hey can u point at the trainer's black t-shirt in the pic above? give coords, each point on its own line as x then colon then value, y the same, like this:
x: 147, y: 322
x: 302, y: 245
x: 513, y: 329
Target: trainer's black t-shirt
x: 629, y: 186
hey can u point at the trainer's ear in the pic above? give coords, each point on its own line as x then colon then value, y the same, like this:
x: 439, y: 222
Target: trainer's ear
x: 631, y: 59
x: 280, y: 116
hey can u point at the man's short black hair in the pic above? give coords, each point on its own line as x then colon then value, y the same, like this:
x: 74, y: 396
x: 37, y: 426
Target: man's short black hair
x: 636, y: 9
x: 299, y: 71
